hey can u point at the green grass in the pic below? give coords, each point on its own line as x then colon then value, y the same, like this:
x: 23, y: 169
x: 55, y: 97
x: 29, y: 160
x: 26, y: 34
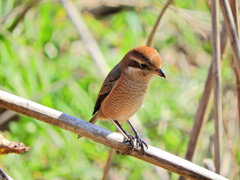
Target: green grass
x: 45, y: 61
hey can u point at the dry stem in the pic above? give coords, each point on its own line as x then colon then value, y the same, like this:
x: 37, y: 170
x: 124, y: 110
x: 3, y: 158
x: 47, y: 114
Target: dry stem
x: 217, y: 85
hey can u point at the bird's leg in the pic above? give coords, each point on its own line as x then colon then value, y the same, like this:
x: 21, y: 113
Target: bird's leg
x: 140, y: 142
x: 129, y: 138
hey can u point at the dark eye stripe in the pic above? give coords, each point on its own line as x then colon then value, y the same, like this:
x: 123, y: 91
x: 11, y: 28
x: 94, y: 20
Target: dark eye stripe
x: 134, y: 64
x: 144, y: 59
x: 144, y: 66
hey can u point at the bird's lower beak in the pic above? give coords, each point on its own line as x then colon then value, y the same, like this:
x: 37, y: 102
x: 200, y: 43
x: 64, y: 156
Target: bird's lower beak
x: 160, y: 72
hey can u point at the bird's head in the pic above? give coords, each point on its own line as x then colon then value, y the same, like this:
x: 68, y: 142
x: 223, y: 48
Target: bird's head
x: 142, y: 63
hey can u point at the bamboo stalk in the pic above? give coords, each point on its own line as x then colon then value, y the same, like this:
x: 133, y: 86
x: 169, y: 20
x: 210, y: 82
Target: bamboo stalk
x: 114, y: 140
x: 216, y: 85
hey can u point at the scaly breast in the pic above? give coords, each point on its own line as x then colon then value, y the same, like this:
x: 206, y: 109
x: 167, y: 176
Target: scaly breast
x: 124, y: 100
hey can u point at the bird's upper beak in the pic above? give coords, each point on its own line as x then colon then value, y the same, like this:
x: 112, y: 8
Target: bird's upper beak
x: 160, y: 72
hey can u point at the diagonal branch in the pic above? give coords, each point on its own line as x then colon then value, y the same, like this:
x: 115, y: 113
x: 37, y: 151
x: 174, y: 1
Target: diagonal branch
x: 114, y: 140
x: 152, y: 34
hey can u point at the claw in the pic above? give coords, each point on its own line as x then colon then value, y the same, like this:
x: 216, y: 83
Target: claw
x: 130, y: 140
x: 141, y: 143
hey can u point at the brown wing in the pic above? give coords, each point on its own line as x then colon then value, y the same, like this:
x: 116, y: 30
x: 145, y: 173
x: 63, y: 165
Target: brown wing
x: 107, y: 86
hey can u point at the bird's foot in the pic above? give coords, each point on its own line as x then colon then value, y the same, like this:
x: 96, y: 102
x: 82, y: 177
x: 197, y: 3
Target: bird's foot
x: 141, y: 143
x: 130, y: 140
x: 135, y: 142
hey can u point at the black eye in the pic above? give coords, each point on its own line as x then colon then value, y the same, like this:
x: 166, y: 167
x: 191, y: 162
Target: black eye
x: 143, y: 66
x: 134, y: 64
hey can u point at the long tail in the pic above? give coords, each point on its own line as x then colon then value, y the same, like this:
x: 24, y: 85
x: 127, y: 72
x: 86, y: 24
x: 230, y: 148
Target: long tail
x: 93, y: 120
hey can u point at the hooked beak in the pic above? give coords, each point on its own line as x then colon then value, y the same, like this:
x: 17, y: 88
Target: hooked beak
x: 160, y: 72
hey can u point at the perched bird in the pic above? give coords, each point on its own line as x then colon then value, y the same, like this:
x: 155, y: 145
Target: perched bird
x: 125, y: 87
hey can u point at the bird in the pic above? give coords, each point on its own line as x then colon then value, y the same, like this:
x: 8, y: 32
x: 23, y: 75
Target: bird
x: 124, y: 89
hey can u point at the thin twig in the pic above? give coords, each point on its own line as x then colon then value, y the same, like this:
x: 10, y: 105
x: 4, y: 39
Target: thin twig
x: 114, y: 140
x: 22, y: 14
x: 216, y: 85
x: 89, y: 42
x: 152, y: 34
x: 108, y: 164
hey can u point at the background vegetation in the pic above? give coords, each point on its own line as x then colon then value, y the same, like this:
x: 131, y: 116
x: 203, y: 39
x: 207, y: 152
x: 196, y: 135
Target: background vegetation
x: 43, y: 59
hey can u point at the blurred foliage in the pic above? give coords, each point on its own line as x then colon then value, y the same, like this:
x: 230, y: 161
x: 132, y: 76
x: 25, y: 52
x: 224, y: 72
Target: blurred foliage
x: 44, y: 60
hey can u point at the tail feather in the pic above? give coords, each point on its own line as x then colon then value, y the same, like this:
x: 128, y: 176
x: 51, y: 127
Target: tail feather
x: 93, y: 120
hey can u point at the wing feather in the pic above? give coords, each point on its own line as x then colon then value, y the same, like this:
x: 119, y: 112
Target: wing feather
x: 107, y: 86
